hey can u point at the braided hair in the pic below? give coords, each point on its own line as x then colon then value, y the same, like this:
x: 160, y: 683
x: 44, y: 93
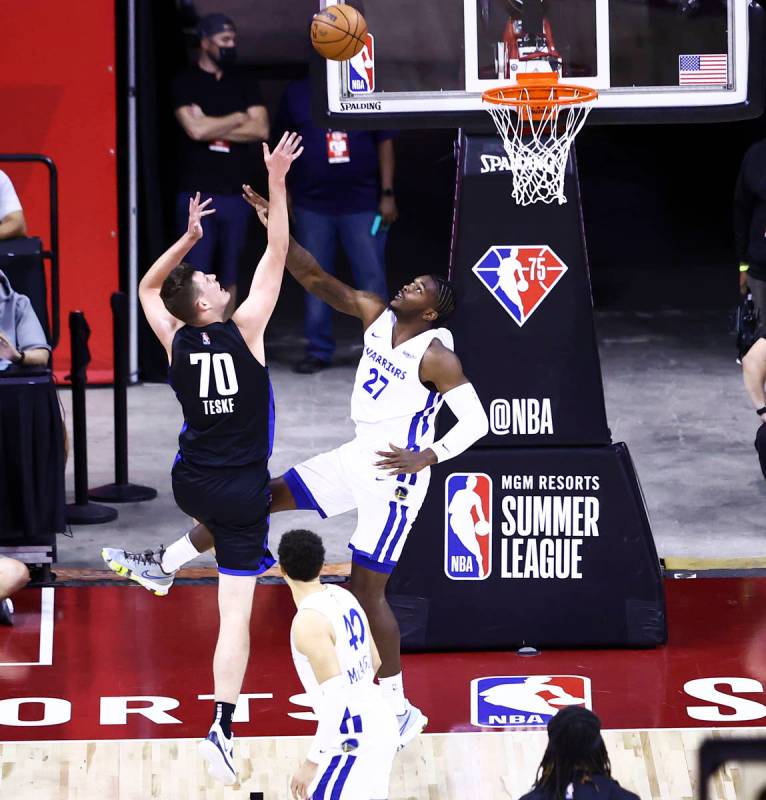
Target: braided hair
x: 575, y: 752
x: 445, y: 297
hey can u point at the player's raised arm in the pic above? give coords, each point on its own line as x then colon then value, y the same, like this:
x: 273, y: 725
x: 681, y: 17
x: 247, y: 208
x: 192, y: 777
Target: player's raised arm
x: 253, y: 315
x: 162, y: 322
x: 441, y: 367
x: 367, y: 306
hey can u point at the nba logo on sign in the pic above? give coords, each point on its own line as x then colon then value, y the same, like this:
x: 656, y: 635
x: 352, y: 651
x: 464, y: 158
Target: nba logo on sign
x: 361, y: 68
x: 520, y: 278
x: 468, y: 526
x: 525, y: 700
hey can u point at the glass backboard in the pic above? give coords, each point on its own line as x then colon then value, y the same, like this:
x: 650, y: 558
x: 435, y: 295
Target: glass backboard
x: 427, y: 63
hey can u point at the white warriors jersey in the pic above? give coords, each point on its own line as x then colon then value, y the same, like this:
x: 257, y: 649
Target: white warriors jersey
x: 389, y: 403
x: 352, y: 641
x: 368, y: 710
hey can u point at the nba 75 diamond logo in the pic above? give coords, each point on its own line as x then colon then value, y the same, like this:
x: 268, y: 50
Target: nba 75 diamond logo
x: 520, y: 277
x: 513, y: 701
x: 468, y: 526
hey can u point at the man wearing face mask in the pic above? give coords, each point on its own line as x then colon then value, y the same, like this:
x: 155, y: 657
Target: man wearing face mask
x: 221, y: 113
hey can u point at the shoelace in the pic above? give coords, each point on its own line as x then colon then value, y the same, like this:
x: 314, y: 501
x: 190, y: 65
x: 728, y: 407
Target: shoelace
x: 147, y: 557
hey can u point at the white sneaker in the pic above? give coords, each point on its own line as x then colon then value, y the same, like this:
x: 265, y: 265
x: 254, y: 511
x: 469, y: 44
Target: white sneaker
x: 218, y: 752
x: 411, y: 723
x: 143, y: 568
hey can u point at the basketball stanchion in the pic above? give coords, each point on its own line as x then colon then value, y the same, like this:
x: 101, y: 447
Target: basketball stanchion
x: 121, y: 491
x: 81, y: 512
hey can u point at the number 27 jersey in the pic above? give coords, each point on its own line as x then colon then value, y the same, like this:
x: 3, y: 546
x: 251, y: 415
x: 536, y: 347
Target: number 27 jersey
x: 389, y: 402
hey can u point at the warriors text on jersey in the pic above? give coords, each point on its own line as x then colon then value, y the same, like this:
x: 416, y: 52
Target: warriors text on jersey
x: 389, y: 403
x: 225, y: 394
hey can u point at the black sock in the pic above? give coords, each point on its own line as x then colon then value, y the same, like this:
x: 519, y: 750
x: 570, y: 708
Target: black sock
x: 223, y: 712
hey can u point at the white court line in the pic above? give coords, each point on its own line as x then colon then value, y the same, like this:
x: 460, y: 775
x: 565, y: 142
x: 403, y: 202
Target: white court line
x: 35, y: 742
x: 45, y: 658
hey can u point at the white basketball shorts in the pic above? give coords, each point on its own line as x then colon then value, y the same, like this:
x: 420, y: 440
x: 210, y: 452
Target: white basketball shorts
x: 345, y: 479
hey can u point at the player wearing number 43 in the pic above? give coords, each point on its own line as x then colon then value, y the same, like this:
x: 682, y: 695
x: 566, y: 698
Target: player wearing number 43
x: 336, y: 659
x: 220, y: 475
x: 406, y: 370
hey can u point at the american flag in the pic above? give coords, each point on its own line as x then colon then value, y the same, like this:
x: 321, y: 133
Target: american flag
x: 703, y: 70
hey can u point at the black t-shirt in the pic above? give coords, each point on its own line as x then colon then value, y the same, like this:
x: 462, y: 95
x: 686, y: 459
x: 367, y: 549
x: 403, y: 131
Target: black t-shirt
x: 599, y: 787
x: 219, y: 168
x: 226, y: 397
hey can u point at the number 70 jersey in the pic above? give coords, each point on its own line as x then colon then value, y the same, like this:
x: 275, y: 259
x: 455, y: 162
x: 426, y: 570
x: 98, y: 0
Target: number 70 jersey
x: 389, y: 403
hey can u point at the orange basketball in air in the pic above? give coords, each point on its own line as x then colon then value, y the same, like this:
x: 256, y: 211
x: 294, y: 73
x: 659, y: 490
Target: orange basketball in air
x: 338, y: 32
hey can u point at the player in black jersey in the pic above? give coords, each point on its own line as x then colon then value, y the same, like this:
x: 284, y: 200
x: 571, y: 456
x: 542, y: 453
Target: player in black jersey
x: 220, y: 475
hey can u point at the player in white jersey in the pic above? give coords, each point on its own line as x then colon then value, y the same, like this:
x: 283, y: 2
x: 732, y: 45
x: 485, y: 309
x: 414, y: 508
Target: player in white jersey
x: 336, y: 659
x: 406, y: 371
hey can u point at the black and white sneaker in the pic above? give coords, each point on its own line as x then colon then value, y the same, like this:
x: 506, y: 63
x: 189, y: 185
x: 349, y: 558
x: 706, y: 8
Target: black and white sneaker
x: 218, y: 752
x: 6, y: 612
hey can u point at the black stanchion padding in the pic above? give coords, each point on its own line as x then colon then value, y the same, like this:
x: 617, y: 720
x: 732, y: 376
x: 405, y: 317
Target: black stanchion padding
x: 121, y: 491
x: 562, y: 553
x: 81, y: 512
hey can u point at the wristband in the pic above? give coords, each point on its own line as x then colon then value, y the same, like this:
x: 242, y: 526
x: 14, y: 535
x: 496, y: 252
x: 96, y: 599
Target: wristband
x: 744, y: 267
x: 761, y: 410
x: 387, y: 193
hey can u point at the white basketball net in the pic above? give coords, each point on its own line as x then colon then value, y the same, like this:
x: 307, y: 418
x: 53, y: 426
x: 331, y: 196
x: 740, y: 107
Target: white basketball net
x: 538, y: 149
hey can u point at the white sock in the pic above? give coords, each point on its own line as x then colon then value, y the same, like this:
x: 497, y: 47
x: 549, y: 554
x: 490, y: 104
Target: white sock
x: 179, y: 553
x: 393, y: 691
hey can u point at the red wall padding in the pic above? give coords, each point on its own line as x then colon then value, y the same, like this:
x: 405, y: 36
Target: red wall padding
x: 57, y: 97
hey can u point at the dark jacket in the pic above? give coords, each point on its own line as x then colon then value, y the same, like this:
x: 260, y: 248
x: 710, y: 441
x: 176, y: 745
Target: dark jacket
x: 750, y: 210
x: 598, y: 788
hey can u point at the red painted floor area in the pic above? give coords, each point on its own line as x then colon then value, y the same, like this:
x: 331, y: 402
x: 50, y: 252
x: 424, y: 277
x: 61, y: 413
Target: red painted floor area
x: 113, y: 643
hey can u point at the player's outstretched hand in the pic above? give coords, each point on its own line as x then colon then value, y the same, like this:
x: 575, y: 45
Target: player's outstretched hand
x: 279, y: 159
x: 400, y: 461
x: 197, y: 210
x: 260, y: 204
x: 303, y: 778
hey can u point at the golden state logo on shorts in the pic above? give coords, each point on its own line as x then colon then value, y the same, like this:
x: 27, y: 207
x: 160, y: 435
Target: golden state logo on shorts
x: 468, y: 526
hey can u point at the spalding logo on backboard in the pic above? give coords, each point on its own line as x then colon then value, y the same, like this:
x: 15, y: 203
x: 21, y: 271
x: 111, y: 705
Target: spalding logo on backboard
x: 520, y: 277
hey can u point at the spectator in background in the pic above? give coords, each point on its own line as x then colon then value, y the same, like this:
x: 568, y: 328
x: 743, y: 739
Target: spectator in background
x: 221, y: 113
x: 750, y: 224
x: 575, y: 765
x: 754, y: 376
x: 343, y: 182
x: 750, y: 240
x: 13, y: 576
x: 12, y: 221
x: 22, y: 339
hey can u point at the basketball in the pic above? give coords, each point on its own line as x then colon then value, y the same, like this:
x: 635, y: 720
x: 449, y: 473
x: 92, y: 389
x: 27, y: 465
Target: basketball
x: 338, y: 33
x: 482, y: 528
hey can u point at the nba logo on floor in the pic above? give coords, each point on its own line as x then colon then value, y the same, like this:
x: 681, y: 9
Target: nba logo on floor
x: 520, y: 278
x: 522, y: 701
x: 361, y: 68
x: 468, y: 526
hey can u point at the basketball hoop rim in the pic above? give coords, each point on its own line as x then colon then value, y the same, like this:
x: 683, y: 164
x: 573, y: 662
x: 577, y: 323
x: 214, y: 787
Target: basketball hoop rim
x: 520, y: 96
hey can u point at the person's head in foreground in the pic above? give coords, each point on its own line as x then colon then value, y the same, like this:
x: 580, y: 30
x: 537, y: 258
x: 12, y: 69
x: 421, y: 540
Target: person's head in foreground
x: 194, y: 297
x: 301, y: 556
x: 575, y: 754
x: 427, y: 297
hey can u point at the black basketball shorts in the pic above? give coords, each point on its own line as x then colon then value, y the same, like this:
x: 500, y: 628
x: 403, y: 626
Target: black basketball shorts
x: 233, y: 503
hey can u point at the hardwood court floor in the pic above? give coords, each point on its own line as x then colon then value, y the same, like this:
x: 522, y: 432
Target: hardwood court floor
x: 490, y: 766
x: 104, y: 691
